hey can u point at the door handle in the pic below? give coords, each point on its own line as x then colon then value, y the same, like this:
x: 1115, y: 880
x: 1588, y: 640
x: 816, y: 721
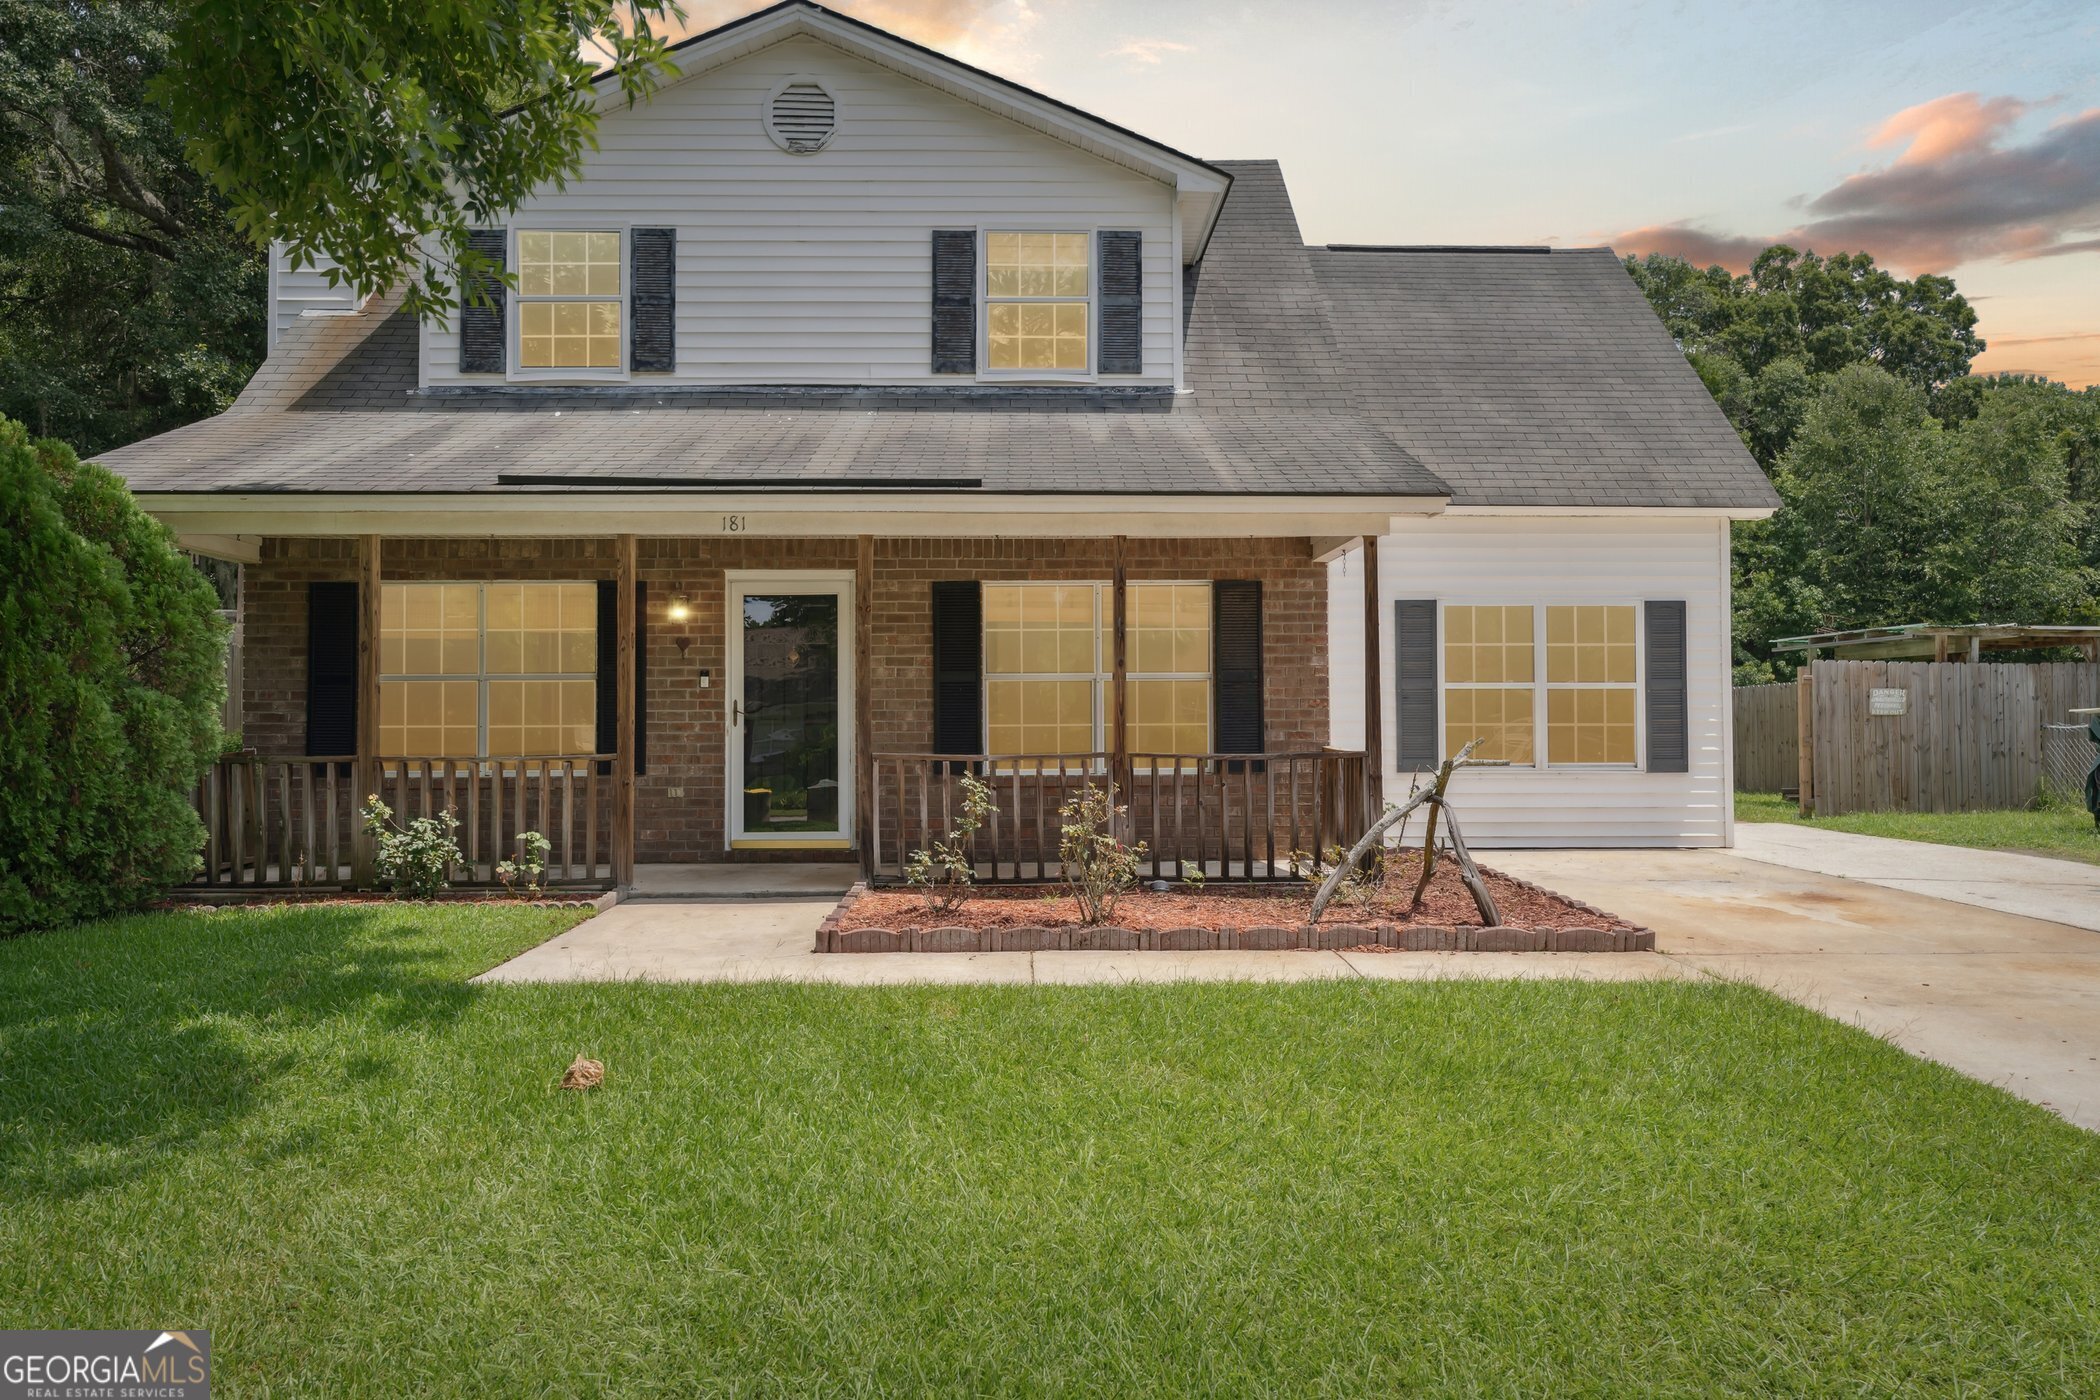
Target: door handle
x: 736, y: 713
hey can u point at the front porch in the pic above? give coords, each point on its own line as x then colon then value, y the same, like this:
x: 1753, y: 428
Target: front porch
x: 861, y: 765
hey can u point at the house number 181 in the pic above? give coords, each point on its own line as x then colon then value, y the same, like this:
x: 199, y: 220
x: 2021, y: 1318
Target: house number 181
x: 735, y: 524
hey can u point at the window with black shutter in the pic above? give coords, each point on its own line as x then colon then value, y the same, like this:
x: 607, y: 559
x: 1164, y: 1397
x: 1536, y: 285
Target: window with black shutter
x: 1669, y: 739
x: 481, y: 307
x: 1122, y: 349
x: 1414, y: 684
x: 331, y: 668
x: 652, y: 337
x: 954, y: 301
x: 958, y: 666
x: 608, y: 720
x: 1236, y: 647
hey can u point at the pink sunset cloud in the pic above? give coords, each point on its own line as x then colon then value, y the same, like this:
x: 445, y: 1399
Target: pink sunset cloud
x: 1957, y: 192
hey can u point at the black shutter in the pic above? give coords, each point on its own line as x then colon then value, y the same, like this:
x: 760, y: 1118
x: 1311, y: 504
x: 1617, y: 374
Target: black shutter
x: 1122, y: 349
x: 481, y: 345
x: 1235, y: 657
x: 955, y: 302
x: 609, y: 668
x: 958, y: 666
x: 1669, y: 741
x: 1414, y: 683
x: 652, y: 339
x: 331, y: 668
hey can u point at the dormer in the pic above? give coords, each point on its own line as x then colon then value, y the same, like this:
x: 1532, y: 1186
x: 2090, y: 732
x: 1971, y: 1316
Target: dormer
x: 813, y: 201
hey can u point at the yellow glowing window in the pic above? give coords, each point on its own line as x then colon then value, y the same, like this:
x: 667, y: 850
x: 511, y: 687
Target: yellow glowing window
x: 1037, y: 288
x: 569, y: 300
x: 1592, y: 667
x: 1502, y: 716
x: 487, y: 670
x: 1488, y: 671
x: 1049, y: 661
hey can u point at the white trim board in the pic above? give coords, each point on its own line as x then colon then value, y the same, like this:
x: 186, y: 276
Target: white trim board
x: 778, y: 515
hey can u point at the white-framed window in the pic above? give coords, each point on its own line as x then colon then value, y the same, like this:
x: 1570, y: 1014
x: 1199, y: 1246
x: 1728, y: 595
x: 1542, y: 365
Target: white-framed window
x: 569, y: 312
x: 488, y: 670
x: 1049, y: 667
x: 1550, y: 685
x: 1038, y: 301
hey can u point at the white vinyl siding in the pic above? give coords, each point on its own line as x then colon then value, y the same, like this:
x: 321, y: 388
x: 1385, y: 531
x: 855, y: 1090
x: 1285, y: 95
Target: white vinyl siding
x: 802, y: 269
x: 1576, y: 559
x: 294, y: 294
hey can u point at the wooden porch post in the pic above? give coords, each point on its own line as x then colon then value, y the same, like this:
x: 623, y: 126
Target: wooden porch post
x: 1119, y: 735
x: 363, y: 850
x: 863, y: 721
x: 1374, y: 698
x: 623, y: 712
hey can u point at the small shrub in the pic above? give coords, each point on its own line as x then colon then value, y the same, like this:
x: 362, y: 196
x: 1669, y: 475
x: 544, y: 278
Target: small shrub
x: 415, y: 861
x: 1192, y: 879
x: 946, y: 874
x: 522, y: 877
x: 1099, y: 869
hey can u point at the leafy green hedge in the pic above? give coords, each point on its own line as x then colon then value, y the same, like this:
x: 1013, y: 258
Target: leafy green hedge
x: 112, y: 676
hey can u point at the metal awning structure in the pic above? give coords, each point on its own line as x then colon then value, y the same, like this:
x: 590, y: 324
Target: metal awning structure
x: 1924, y: 641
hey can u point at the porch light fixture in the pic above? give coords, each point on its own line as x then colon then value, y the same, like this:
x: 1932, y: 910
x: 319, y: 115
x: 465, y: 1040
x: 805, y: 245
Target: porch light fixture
x: 681, y: 610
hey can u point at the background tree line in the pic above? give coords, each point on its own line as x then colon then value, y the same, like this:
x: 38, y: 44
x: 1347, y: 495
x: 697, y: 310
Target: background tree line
x: 1913, y: 490
x: 132, y: 286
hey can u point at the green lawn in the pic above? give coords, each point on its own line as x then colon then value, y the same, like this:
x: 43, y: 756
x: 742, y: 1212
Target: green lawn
x: 302, y: 1130
x: 2066, y: 832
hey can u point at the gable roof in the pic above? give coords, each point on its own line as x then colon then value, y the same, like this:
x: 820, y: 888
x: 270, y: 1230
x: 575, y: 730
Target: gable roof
x: 1201, y: 185
x: 1532, y: 378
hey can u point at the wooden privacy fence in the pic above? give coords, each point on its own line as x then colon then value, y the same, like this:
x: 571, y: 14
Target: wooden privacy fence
x: 1232, y: 816
x: 1909, y: 736
x: 1767, y: 737
x: 286, y: 822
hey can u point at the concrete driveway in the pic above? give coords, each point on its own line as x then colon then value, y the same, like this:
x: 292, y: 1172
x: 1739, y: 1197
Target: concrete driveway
x: 2006, y: 998
x: 2063, y: 891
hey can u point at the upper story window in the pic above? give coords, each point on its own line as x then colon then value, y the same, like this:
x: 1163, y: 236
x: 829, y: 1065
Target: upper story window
x: 571, y: 299
x: 1038, y: 290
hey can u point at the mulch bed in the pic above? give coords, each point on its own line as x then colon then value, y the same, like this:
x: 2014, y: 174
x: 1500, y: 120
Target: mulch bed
x: 1034, y: 918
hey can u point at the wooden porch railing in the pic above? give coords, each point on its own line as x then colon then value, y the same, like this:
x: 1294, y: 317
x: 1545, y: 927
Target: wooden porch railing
x: 1234, y: 817
x: 290, y: 822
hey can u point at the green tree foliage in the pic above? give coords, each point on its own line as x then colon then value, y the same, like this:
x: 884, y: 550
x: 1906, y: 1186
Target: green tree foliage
x: 128, y: 302
x: 1761, y: 340
x: 1892, y: 515
x: 111, y: 682
x: 375, y: 131
x: 1913, y: 491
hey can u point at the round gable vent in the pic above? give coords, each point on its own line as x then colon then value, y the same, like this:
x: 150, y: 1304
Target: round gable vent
x: 801, y: 116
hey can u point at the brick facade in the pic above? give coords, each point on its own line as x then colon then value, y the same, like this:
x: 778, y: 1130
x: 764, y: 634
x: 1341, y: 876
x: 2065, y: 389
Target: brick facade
x: 679, y: 800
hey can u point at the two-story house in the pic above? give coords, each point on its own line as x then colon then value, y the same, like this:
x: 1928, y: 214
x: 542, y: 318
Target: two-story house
x: 858, y: 419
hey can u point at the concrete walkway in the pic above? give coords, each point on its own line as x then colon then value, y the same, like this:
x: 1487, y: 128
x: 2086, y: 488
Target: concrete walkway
x: 2065, y: 891
x: 2010, y: 1000
x: 750, y: 939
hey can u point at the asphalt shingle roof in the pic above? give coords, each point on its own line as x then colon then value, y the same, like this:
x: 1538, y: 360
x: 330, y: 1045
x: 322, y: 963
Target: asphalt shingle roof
x: 1539, y: 379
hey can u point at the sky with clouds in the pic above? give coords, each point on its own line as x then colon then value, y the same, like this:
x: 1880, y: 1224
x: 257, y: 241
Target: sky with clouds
x: 1940, y: 136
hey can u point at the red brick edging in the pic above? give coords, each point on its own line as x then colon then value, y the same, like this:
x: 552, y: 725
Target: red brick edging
x: 1411, y: 938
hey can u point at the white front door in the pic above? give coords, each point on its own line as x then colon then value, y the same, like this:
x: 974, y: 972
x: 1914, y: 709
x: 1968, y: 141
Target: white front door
x: 789, y: 701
